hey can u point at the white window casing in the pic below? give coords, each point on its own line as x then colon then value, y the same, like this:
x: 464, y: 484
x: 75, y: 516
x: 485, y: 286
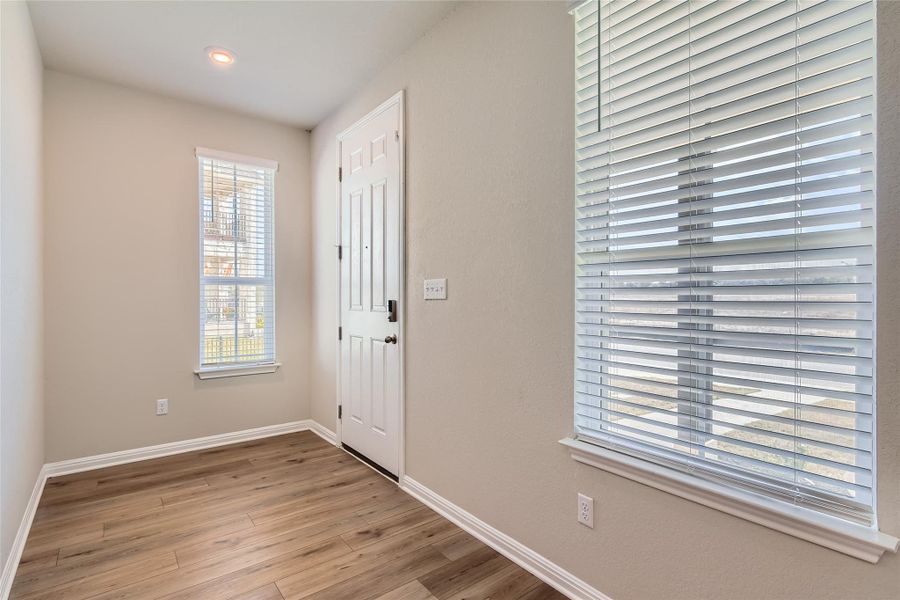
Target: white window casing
x: 237, y: 276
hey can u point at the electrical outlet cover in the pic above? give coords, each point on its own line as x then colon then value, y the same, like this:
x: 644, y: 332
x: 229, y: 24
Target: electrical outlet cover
x: 586, y: 510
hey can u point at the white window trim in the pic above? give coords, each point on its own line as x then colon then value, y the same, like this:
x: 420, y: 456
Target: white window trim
x: 236, y: 370
x: 236, y: 158
x: 859, y: 541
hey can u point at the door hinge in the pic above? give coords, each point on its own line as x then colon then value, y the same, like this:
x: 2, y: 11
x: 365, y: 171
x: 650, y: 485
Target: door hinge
x: 340, y: 252
x: 340, y: 411
x: 340, y: 174
x: 340, y: 333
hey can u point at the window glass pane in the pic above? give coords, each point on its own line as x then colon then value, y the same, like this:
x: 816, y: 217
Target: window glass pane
x: 237, y: 310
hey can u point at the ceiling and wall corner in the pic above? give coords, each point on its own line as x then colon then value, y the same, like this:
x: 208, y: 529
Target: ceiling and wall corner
x: 296, y: 62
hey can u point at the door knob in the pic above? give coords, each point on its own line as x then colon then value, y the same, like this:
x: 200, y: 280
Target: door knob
x: 391, y: 339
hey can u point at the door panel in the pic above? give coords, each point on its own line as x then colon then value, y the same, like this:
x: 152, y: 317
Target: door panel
x: 355, y: 369
x: 370, y: 276
x: 378, y: 386
x: 379, y: 300
x: 356, y: 252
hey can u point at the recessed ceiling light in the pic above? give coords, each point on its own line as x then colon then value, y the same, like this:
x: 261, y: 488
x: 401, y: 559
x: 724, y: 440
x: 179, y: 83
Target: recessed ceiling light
x: 220, y: 56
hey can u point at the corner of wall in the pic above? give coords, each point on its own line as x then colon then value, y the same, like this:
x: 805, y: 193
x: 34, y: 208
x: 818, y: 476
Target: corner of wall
x: 21, y: 270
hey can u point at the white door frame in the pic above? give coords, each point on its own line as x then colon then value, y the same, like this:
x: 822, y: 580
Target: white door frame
x: 399, y: 100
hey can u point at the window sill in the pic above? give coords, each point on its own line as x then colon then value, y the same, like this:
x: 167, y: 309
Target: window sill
x: 235, y: 371
x: 861, y: 542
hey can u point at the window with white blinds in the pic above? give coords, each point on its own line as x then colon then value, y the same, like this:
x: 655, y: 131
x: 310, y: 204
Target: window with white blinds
x: 237, y: 295
x: 725, y: 243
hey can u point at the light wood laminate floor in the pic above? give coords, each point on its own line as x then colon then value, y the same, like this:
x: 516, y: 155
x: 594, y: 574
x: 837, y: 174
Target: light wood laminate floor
x: 282, y: 518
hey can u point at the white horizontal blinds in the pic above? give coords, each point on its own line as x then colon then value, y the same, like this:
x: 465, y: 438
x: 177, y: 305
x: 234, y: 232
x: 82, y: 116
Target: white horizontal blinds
x: 237, y: 308
x: 725, y: 241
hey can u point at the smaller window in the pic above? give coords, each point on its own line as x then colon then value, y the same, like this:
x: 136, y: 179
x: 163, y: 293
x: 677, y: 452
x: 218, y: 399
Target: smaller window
x: 237, y: 277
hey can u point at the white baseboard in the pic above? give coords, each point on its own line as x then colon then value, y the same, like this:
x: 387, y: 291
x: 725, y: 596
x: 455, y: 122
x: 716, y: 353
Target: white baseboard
x: 323, y: 432
x: 88, y: 463
x: 99, y: 461
x: 525, y: 557
x: 18, y: 545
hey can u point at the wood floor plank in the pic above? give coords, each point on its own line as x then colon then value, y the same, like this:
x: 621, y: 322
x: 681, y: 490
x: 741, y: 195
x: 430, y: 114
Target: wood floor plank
x: 261, y: 560
x: 464, y: 572
x: 63, y: 576
x: 411, y: 591
x: 160, y: 477
x: 137, y: 507
x: 283, y: 518
x: 353, y: 564
x: 507, y: 583
x: 92, y: 552
x: 89, y: 586
x: 542, y: 592
x: 213, y: 548
x: 294, y: 480
x: 250, y: 577
x: 322, y: 467
x: 296, y: 456
x: 386, y: 577
x: 458, y: 545
x: 37, y: 562
x: 356, y: 489
x: 89, y: 506
x: 387, y: 505
x: 369, y: 534
x: 52, y: 541
x: 276, y: 498
x: 266, y: 592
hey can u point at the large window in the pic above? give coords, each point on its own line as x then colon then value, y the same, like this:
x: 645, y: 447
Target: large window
x: 237, y: 300
x: 725, y: 244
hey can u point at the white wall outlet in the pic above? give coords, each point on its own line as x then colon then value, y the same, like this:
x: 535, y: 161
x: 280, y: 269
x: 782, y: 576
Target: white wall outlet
x: 162, y: 406
x: 586, y: 511
x: 435, y: 289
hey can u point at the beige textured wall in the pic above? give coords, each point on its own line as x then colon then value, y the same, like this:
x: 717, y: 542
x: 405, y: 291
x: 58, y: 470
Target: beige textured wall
x: 888, y: 290
x: 121, y: 269
x: 489, y: 380
x: 21, y: 347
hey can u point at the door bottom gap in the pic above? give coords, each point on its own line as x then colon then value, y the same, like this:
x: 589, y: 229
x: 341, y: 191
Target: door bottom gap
x: 370, y: 463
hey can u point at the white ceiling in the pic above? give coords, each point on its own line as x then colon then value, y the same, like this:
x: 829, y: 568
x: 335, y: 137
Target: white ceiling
x: 296, y: 61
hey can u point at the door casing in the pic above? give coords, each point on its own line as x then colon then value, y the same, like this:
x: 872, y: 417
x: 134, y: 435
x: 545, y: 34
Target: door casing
x: 399, y: 100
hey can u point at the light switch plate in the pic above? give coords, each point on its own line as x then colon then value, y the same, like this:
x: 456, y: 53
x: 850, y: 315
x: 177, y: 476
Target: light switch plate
x: 435, y: 289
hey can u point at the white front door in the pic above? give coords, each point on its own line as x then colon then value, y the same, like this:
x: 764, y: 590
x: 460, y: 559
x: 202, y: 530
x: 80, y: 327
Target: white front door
x: 371, y: 219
